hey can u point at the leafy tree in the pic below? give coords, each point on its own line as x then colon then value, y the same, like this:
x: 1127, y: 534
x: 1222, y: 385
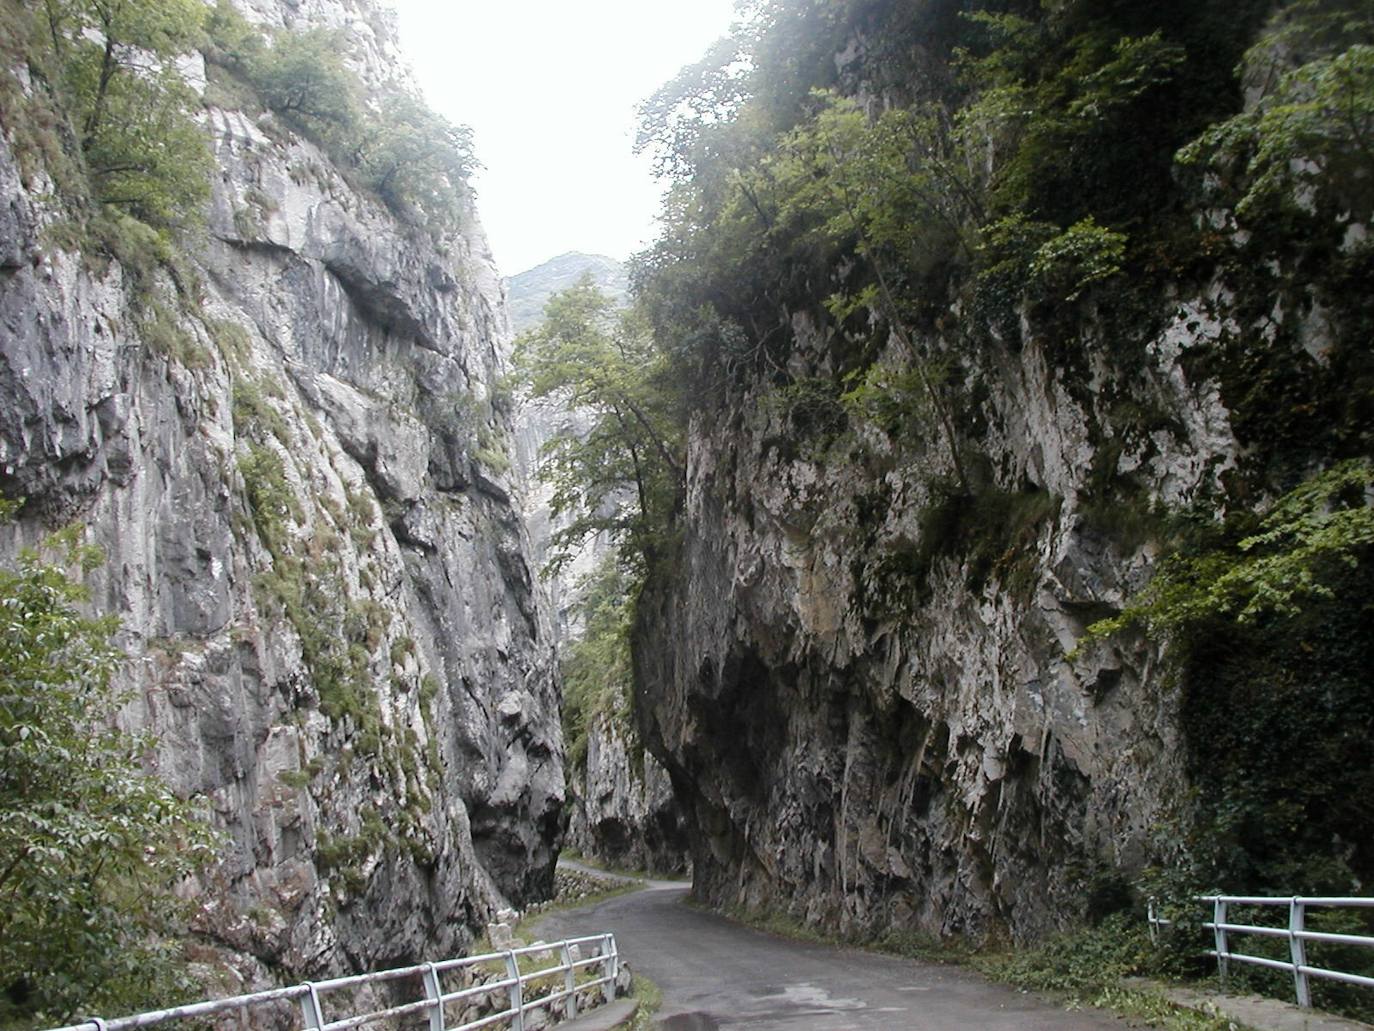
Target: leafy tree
x: 416, y: 160
x: 597, y: 676
x: 410, y: 156
x: 686, y: 125
x: 1311, y: 136
x: 231, y: 40
x: 1303, y: 545
x: 302, y: 77
x: 91, y: 848
x: 621, y: 476
x: 131, y: 107
x: 1269, y: 634
x: 896, y: 190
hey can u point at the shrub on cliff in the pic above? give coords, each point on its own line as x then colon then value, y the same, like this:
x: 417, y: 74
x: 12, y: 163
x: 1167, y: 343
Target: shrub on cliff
x: 91, y: 847
x: 415, y: 160
x: 302, y: 78
x: 114, y: 68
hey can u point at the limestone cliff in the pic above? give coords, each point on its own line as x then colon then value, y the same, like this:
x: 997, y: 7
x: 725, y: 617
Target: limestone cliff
x: 917, y: 472
x: 872, y: 739
x: 621, y: 806
x: 325, y: 588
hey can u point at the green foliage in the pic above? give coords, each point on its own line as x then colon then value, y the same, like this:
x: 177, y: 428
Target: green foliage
x: 337, y: 637
x: 116, y: 66
x: 254, y: 416
x: 1087, y: 967
x: 597, y: 678
x: 1311, y: 535
x: 1033, y: 144
x: 1075, y: 259
x: 110, y: 117
x: 1268, y: 626
x: 994, y: 533
x: 416, y: 160
x: 302, y: 77
x: 622, y: 474
x: 1308, y: 145
x: 269, y: 495
x: 1079, y: 965
x: 1092, y: 966
x: 342, y: 857
x: 230, y: 39
x: 897, y: 399
x: 91, y: 848
x: 811, y: 416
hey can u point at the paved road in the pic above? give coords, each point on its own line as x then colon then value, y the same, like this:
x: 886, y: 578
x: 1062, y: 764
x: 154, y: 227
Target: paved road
x: 717, y: 974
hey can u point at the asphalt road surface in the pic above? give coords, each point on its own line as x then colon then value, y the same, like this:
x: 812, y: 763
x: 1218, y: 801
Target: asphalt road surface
x: 718, y: 974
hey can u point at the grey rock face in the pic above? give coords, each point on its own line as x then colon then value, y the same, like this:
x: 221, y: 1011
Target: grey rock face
x: 623, y: 810
x: 326, y: 595
x: 871, y: 729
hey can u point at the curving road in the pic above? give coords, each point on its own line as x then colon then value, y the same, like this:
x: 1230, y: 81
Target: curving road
x: 718, y: 974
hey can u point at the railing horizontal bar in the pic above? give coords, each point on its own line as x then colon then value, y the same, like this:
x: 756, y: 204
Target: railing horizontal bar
x: 1269, y: 932
x: 1338, y: 939
x: 599, y: 939
x: 545, y: 1000
x: 1275, y: 900
x: 533, y: 950
x: 481, y: 989
x: 367, y: 1018
x: 358, y: 980
x: 1338, y: 975
x: 494, y: 1018
x: 195, y: 1009
x: 563, y: 993
x: 467, y: 961
x: 604, y: 945
x: 1258, y: 961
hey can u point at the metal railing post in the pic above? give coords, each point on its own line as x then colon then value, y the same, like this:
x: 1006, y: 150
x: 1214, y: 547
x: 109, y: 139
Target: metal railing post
x: 569, y: 983
x: 612, y: 967
x: 1150, y: 916
x: 312, y: 1012
x: 517, y: 991
x: 435, y: 993
x: 1297, y: 921
x: 1219, y: 932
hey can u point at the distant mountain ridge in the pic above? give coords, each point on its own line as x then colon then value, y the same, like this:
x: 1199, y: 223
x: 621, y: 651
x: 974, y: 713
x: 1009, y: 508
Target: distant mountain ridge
x: 529, y: 291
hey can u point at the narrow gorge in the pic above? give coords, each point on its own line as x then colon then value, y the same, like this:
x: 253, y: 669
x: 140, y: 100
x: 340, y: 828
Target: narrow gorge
x: 957, y: 525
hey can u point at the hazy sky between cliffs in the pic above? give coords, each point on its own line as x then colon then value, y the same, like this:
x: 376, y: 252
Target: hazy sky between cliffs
x: 550, y: 89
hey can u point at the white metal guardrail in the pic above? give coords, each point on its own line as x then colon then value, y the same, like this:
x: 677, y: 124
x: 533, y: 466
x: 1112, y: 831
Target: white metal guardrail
x: 1223, y: 925
x: 561, y: 978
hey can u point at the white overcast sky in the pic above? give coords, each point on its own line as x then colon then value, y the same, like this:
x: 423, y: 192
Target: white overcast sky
x: 550, y: 89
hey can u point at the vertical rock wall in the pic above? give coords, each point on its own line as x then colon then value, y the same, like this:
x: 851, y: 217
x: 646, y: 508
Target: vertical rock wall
x: 862, y: 687
x: 326, y: 595
x: 622, y: 809
x: 861, y: 671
